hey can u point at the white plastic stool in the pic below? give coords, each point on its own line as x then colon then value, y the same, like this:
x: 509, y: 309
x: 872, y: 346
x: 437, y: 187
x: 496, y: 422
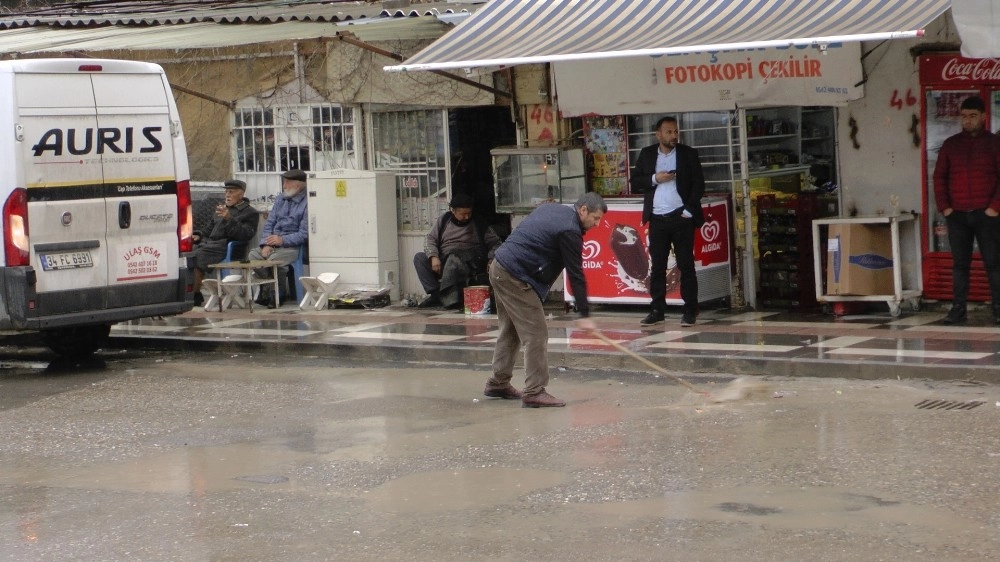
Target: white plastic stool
x: 212, y: 287
x: 318, y: 290
x: 232, y: 291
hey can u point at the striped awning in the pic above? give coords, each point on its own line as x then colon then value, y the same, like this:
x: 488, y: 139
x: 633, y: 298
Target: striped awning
x: 509, y: 32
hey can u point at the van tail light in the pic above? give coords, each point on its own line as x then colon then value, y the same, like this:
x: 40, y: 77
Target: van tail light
x: 185, y: 217
x: 15, y: 229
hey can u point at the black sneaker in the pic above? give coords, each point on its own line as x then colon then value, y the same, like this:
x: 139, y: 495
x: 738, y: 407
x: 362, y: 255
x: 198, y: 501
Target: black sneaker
x: 199, y: 299
x: 654, y: 317
x: 687, y: 320
x: 955, y: 316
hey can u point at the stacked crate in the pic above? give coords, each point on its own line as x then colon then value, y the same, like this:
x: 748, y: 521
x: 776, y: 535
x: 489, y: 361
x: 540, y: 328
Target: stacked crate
x: 784, y: 228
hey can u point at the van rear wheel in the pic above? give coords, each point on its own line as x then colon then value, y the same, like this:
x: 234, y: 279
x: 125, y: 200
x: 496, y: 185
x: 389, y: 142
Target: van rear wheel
x: 79, y: 341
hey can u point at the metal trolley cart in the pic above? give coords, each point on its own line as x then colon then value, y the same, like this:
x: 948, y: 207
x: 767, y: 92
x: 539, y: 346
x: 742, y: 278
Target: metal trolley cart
x: 900, y: 294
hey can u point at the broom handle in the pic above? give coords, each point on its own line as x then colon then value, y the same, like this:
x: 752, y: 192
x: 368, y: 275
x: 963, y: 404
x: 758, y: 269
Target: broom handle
x: 647, y: 362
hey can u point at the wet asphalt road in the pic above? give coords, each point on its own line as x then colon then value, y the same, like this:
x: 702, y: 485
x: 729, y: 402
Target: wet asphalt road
x: 172, y: 456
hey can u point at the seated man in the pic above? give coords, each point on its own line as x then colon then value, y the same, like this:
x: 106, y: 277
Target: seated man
x: 233, y: 220
x: 454, y: 256
x: 285, y: 230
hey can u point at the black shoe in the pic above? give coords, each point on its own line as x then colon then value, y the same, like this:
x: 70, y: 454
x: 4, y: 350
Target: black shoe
x: 687, y: 320
x: 430, y: 301
x: 955, y: 316
x: 654, y: 317
x: 199, y: 299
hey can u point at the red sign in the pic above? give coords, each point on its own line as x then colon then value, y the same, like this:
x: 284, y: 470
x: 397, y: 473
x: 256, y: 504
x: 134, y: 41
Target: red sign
x: 957, y: 70
x: 616, y: 259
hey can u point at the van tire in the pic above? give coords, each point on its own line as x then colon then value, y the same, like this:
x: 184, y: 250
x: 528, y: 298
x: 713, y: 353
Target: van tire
x: 78, y: 341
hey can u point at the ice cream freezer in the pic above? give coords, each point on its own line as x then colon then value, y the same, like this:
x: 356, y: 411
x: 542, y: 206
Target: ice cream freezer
x: 352, y: 229
x: 617, y: 265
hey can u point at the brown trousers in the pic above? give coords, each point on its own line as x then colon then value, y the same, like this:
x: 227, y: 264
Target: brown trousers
x: 522, y: 321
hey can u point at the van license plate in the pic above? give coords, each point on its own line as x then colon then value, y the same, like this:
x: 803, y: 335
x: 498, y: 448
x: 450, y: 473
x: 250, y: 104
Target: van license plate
x: 68, y: 260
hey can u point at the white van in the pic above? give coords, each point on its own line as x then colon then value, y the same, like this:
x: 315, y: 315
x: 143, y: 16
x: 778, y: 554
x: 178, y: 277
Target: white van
x: 96, y: 199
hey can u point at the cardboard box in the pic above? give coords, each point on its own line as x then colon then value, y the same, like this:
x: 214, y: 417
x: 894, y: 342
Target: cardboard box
x: 859, y: 260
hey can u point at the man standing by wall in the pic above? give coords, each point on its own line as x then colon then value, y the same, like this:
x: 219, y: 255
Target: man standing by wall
x: 669, y: 175
x: 966, y: 192
x: 524, y: 268
x: 285, y: 230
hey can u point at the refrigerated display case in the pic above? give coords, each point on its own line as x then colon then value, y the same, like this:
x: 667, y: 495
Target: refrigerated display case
x: 616, y: 257
x: 352, y: 228
x: 524, y: 178
x: 946, y: 80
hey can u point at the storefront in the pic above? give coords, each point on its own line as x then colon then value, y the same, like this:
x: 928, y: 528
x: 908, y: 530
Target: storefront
x: 755, y: 87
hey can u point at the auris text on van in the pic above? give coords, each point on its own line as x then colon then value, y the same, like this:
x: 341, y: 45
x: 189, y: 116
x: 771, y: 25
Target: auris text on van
x: 97, y: 141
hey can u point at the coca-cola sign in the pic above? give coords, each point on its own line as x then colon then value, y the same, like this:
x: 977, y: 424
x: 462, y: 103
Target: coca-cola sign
x: 954, y: 69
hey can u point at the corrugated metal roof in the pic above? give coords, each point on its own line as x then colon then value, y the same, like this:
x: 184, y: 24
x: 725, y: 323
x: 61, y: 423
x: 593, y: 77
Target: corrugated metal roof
x: 142, y: 13
x: 201, y: 31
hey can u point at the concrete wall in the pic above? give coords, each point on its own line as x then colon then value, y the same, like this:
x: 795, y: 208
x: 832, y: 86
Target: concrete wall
x: 885, y: 166
x: 882, y: 173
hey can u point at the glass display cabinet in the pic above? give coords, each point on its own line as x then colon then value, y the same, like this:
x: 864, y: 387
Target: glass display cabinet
x: 524, y: 178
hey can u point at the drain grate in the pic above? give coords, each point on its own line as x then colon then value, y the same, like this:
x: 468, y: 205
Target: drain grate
x: 948, y: 404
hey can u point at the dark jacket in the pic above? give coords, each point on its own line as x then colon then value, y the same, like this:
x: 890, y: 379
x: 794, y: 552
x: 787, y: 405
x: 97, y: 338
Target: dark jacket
x: 547, y: 241
x: 967, y: 173
x: 241, y: 226
x: 690, y: 180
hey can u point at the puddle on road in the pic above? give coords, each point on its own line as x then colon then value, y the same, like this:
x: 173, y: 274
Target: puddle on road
x: 460, y: 489
x: 179, y: 472
x: 796, y: 509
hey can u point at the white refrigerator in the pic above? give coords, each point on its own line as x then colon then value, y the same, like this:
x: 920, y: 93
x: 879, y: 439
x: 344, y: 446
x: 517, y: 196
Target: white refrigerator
x: 352, y: 229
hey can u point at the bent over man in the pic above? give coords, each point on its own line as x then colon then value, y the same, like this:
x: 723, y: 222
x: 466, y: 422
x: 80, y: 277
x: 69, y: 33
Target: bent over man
x: 524, y: 268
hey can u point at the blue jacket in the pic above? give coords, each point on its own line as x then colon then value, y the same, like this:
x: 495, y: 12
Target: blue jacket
x: 549, y: 240
x: 288, y: 219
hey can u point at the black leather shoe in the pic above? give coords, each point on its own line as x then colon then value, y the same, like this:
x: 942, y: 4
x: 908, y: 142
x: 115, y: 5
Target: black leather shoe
x: 199, y: 299
x: 955, y: 316
x: 654, y: 317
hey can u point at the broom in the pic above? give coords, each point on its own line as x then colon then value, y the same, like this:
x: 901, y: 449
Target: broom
x: 737, y: 389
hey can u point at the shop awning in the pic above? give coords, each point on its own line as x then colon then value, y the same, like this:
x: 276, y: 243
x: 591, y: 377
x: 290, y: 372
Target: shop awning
x: 509, y: 32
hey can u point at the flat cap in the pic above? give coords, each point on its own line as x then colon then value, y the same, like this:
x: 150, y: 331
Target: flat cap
x: 294, y: 175
x: 236, y: 184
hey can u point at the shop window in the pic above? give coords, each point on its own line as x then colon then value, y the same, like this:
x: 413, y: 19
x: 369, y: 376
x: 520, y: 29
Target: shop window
x: 307, y: 137
x: 413, y: 145
x: 714, y: 133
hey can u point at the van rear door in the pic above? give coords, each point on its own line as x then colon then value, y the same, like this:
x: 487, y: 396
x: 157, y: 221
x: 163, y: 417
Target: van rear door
x: 101, y: 184
x: 141, y: 187
x: 64, y: 178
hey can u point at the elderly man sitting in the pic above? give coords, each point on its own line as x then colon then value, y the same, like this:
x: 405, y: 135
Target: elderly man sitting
x: 454, y: 255
x: 235, y: 220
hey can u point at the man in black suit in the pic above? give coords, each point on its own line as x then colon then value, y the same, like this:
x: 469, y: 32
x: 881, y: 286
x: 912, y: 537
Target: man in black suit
x: 669, y: 175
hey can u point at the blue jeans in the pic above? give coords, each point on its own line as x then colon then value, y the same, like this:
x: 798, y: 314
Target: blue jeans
x: 963, y: 228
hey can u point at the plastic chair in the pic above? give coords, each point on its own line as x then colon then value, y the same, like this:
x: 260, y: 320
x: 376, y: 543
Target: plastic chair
x: 296, y: 270
x: 235, y: 250
x: 318, y: 290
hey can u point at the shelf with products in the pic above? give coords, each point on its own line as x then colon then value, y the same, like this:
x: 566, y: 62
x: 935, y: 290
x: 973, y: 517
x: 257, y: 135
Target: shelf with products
x: 792, y: 136
x: 715, y: 134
